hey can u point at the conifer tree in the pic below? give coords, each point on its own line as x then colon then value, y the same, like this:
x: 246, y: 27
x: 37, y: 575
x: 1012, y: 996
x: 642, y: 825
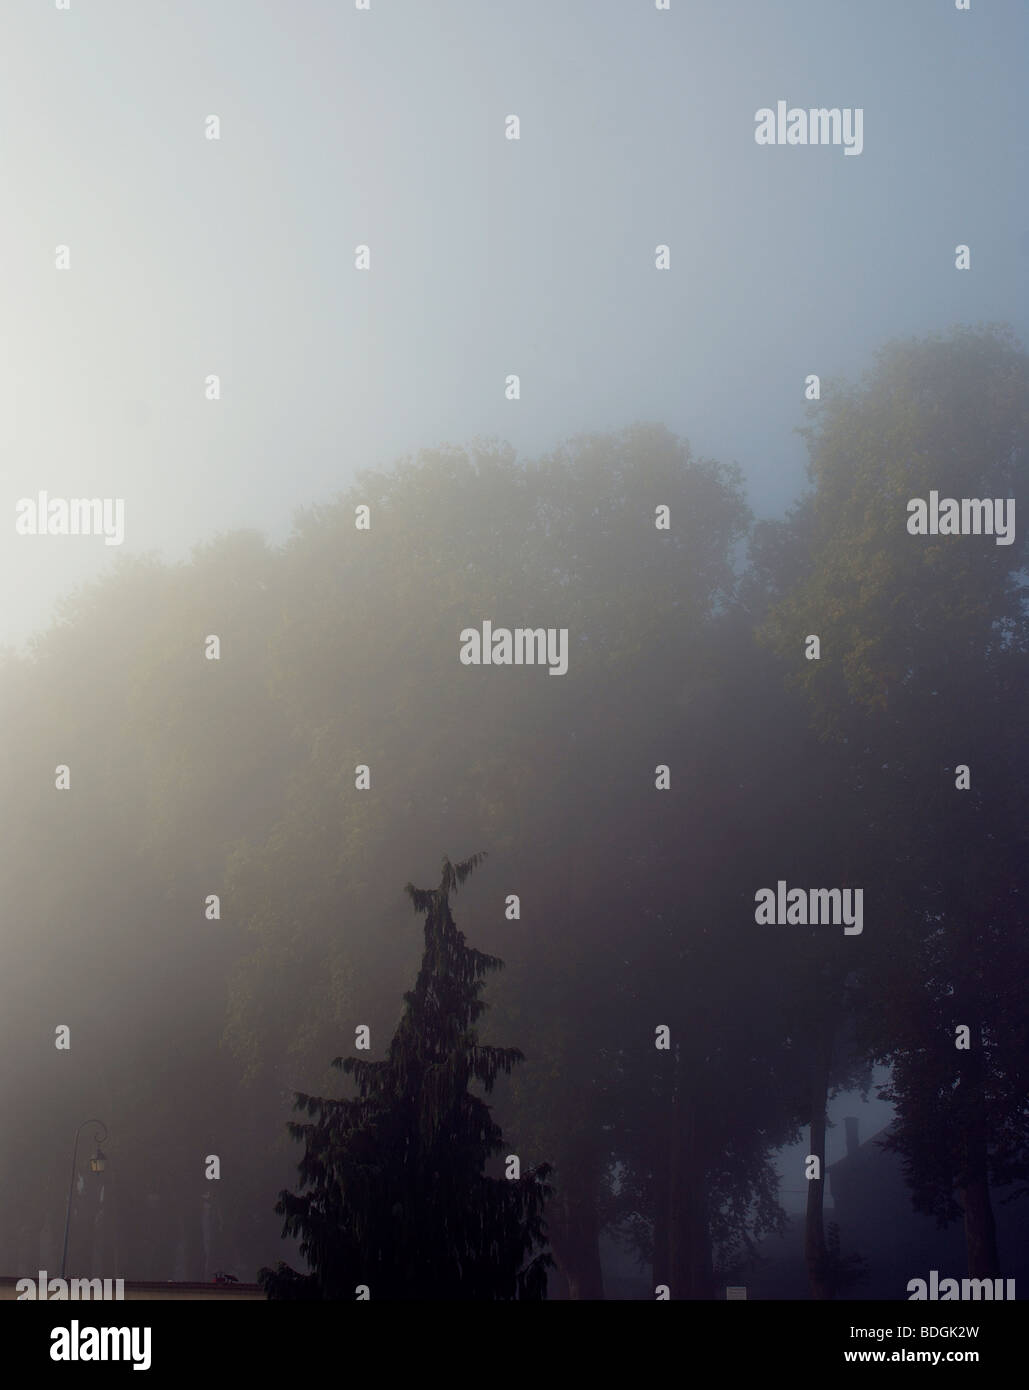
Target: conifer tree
x: 393, y: 1190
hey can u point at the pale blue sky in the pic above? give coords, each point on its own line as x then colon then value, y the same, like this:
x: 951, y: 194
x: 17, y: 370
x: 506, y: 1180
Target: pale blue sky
x: 488, y: 256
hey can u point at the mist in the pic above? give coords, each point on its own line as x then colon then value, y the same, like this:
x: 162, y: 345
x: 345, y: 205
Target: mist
x: 434, y: 431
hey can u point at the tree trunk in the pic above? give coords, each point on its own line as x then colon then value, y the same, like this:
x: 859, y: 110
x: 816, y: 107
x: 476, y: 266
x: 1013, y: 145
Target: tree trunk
x: 980, y: 1231
x: 980, y: 1227
x: 573, y: 1230
x: 814, y: 1226
x: 694, y: 1266
x: 662, y: 1268
x: 686, y: 1252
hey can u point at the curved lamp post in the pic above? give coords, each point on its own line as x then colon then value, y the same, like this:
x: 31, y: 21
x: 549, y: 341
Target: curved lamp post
x: 96, y: 1164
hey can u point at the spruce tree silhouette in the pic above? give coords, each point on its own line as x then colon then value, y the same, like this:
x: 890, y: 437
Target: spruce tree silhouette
x: 393, y: 1193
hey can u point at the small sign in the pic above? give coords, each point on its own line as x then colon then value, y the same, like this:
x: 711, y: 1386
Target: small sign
x: 736, y: 1293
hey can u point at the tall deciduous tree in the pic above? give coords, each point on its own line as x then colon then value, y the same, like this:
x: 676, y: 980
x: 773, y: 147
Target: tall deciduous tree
x: 921, y: 678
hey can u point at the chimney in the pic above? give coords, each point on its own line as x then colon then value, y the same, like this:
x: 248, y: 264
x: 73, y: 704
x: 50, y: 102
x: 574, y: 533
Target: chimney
x: 853, y: 1143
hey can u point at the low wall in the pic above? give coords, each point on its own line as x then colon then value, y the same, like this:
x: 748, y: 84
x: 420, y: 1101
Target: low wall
x: 152, y: 1290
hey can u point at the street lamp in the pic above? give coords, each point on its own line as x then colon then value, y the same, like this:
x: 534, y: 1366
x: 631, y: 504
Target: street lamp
x: 97, y: 1164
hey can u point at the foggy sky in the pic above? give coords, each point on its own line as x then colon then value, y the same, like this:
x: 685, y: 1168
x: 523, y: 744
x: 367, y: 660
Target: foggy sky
x: 489, y: 256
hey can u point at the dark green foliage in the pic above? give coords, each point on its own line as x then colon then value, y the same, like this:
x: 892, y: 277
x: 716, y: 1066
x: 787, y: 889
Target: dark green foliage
x: 393, y: 1189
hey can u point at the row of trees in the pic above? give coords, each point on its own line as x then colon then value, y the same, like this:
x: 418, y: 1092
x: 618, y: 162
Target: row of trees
x: 236, y: 777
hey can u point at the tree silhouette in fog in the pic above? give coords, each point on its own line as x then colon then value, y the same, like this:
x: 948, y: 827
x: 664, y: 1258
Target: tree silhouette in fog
x: 393, y: 1190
